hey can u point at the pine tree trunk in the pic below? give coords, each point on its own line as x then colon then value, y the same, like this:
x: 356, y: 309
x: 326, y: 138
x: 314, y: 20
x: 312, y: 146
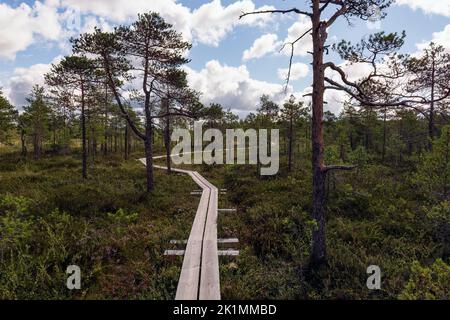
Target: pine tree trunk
x: 36, y: 152
x: 115, y: 139
x: 167, y: 145
x: 342, y: 152
x: 83, y: 135
x: 149, y: 156
x: 290, y: 145
x: 94, y: 148
x: 167, y: 138
x: 318, y: 251
x: 383, y: 156
x: 126, y: 137
x: 23, y: 143
x: 105, y: 133
x: 431, y: 116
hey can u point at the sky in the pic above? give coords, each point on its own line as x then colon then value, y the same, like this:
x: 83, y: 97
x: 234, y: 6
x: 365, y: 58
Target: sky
x: 233, y: 62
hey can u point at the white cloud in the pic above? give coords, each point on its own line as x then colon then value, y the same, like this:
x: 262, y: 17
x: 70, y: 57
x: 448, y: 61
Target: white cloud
x: 58, y: 20
x: 442, y: 38
x: 19, y: 85
x: 439, y: 7
x: 233, y: 87
x: 333, y: 99
x: 20, y: 26
x: 45, y: 19
x: 123, y: 11
x: 269, y: 43
x: 298, y: 70
x: 302, y: 25
x: 90, y: 22
x: 208, y: 24
x: 263, y: 45
x: 353, y: 71
x: 212, y: 21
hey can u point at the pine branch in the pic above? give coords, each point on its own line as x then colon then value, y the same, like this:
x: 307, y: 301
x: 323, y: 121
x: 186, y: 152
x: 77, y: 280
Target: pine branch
x: 295, y: 10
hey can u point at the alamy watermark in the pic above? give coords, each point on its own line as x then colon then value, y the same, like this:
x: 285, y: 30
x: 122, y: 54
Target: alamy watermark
x: 374, y: 280
x: 374, y: 17
x: 71, y: 19
x: 260, y: 149
x: 74, y: 278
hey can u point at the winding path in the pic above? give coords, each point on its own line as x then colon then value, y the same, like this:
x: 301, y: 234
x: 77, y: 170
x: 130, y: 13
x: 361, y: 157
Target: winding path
x: 199, y: 277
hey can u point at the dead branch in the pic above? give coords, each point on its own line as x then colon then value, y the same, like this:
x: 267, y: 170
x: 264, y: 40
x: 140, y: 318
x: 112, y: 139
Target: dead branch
x: 295, y: 10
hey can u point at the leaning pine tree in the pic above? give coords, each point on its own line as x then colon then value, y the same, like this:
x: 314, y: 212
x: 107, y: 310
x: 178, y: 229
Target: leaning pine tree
x: 150, y: 52
x: 323, y: 14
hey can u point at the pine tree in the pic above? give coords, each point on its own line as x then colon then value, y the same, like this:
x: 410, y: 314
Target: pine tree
x: 290, y: 114
x: 36, y: 119
x: 430, y: 79
x: 7, y: 118
x: 151, y: 51
x: 75, y: 74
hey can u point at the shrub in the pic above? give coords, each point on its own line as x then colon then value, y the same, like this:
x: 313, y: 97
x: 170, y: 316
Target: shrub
x: 428, y: 283
x: 15, y: 223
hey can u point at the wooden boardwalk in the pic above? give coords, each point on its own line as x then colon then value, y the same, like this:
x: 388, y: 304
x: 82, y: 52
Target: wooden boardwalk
x: 199, y: 277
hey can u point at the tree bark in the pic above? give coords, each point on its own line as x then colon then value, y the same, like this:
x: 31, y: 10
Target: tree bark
x: 126, y: 142
x: 383, y: 156
x: 431, y: 116
x: 318, y: 250
x: 115, y: 137
x: 149, y: 155
x: 447, y: 155
x: 83, y: 134
x: 167, y: 138
x: 291, y: 129
x: 148, y: 140
x: 22, y: 140
x: 105, y: 134
x: 342, y: 152
x: 35, y: 148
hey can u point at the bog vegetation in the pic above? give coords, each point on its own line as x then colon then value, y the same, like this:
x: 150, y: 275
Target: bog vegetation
x: 72, y: 192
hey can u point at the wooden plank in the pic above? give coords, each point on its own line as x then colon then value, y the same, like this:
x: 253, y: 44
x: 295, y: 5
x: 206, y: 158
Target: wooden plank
x: 232, y: 253
x: 188, y: 283
x: 231, y: 240
x: 209, y: 280
x: 219, y: 241
x: 199, y: 276
x: 227, y: 210
x: 228, y: 252
x: 190, y: 271
x: 174, y: 252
